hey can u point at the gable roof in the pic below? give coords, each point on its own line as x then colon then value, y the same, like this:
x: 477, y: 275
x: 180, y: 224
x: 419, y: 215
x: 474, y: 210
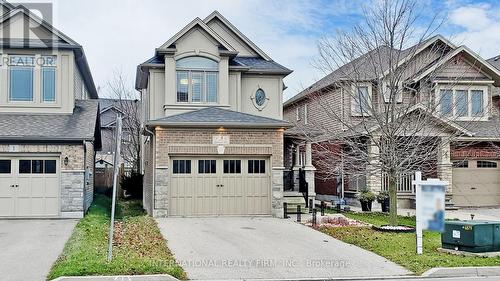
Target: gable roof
x: 216, y: 14
x: 63, y: 41
x: 364, y: 69
x: 452, y: 54
x: 371, y: 125
x: 197, y: 22
x: 81, y: 125
x: 495, y: 61
x: 218, y: 117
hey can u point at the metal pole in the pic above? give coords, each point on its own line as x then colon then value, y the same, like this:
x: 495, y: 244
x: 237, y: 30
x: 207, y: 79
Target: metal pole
x: 115, y: 182
x: 311, y: 205
x: 418, y: 230
x: 285, y: 210
x: 314, y: 218
x: 322, y: 208
x: 298, y: 214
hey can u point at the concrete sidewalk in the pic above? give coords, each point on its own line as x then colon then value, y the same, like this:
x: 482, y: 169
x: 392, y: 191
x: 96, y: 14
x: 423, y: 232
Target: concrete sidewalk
x: 485, y: 213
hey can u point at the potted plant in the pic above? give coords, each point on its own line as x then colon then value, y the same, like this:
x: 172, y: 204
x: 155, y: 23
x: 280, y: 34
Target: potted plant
x: 366, y: 197
x: 383, y: 199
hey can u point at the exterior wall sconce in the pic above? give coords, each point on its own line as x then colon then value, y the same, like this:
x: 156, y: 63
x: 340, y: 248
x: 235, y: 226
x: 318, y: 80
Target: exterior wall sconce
x: 66, y: 160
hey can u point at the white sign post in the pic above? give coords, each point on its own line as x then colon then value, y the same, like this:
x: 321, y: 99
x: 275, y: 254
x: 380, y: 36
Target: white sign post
x: 430, y: 203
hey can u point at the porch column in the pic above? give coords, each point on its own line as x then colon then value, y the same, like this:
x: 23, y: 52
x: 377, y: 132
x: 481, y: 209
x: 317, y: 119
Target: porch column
x: 444, y: 167
x: 309, y: 172
x: 373, y: 172
x: 295, y: 168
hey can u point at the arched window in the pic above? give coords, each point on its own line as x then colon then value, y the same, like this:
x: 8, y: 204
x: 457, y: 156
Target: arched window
x: 197, y: 79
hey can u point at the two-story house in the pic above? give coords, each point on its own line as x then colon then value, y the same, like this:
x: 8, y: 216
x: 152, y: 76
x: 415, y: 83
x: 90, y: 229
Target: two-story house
x: 461, y: 86
x: 213, y: 124
x: 49, y: 129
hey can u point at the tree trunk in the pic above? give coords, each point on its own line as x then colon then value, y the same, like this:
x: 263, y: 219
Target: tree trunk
x: 393, y: 195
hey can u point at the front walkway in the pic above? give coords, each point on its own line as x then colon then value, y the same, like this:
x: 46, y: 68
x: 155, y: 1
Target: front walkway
x: 461, y: 214
x: 30, y: 247
x: 268, y: 248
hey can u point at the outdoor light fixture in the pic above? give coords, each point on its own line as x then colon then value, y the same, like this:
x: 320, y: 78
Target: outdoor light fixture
x: 66, y: 160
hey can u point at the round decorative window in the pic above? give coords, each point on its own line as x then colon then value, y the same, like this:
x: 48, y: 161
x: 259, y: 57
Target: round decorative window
x: 260, y: 97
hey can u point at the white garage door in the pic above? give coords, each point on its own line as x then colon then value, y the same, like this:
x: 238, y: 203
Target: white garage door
x: 211, y: 186
x: 476, y: 183
x: 29, y: 187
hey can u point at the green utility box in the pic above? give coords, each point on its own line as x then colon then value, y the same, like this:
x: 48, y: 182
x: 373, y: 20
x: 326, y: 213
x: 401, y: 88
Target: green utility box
x: 471, y: 236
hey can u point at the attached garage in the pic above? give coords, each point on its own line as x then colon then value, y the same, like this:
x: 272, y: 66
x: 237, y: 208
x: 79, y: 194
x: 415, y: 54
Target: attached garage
x: 476, y: 183
x: 29, y: 186
x: 219, y: 186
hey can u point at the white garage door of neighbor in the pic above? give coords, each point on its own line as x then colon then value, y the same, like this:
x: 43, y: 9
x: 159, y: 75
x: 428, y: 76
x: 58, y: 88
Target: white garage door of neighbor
x: 29, y: 187
x: 476, y: 183
x: 211, y: 186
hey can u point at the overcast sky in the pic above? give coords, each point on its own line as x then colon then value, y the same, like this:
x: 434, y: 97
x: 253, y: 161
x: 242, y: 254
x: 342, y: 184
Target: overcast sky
x: 117, y: 35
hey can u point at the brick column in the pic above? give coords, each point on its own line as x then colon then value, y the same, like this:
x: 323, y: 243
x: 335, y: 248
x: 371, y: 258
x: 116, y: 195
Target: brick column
x: 444, y: 167
x: 374, y: 174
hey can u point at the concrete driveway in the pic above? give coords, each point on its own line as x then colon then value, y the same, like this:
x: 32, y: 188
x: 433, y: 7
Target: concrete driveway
x: 28, y: 248
x: 269, y: 248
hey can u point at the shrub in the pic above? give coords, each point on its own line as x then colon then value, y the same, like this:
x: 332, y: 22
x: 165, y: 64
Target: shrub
x: 366, y: 195
x: 382, y: 196
x: 132, y: 184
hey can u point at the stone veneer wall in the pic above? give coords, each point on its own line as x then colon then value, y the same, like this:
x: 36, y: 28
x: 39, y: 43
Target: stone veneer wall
x: 199, y: 141
x: 72, y: 175
x: 147, y: 191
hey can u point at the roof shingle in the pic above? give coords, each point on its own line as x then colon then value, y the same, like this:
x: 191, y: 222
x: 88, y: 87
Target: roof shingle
x: 214, y: 116
x: 80, y: 125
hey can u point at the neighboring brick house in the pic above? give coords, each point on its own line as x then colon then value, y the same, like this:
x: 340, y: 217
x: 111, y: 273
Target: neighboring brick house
x: 212, y: 104
x: 49, y: 122
x: 472, y: 171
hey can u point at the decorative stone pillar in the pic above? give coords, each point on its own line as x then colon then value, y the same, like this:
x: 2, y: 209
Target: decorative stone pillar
x: 373, y: 173
x: 309, y: 173
x: 296, y: 167
x: 160, y: 207
x: 277, y: 192
x: 444, y: 166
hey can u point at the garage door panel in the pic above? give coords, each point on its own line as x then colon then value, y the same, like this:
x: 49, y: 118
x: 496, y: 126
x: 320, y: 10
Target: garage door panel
x: 230, y: 190
x: 36, y: 190
x: 6, y: 207
x: 475, y: 187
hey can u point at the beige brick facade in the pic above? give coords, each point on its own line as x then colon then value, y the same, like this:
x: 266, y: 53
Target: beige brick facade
x: 196, y: 141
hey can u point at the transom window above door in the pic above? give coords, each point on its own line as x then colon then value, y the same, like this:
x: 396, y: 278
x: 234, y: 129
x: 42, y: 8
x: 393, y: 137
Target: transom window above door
x: 197, y: 80
x: 463, y: 103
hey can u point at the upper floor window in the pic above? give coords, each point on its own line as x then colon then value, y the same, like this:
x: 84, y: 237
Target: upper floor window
x: 361, y: 100
x: 197, y: 80
x: 462, y: 102
x: 21, y: 78
x: 48, y: 78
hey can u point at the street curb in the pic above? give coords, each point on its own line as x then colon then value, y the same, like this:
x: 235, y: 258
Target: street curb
x: 157, y: 277
x: 486, y: 271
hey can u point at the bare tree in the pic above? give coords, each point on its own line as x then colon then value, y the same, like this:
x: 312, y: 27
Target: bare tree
x: 385, y: 120
x: 128, y: 104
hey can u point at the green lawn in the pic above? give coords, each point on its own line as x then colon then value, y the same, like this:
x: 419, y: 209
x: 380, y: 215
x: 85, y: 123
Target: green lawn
x: 139, y: 247
x: 400, y: 247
